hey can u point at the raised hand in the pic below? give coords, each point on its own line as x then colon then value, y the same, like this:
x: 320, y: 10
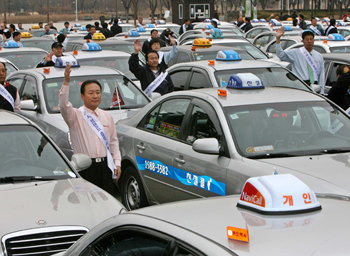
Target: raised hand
x: 67, y: 71
x: 280, y: 32
x: 137, y: 46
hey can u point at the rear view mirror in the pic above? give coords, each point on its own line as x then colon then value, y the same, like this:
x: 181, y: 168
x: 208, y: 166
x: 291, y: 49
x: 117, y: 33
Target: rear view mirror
x: 206, y: 146
x: 316, y: 88
x: 81, y: 162
x: 28, y: 105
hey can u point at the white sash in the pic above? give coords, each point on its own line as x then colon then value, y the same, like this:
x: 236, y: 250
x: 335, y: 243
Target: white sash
x: 160, y: 56
x: 4, y: 93
x: 242, y: 26
x: 183, y: 28
x: 97, y: 127
x: 315, y: 30
x: 310, y: 61
x: 329, y: 29
x: 155, y: 84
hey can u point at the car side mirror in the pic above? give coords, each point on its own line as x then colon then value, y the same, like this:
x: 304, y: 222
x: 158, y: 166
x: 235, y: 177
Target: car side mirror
x: 155, y: 95
x: 270, y: 55
x: 28, y: 105
x: 316, y: 88
x: 81, y: 162
x: 206, y: 146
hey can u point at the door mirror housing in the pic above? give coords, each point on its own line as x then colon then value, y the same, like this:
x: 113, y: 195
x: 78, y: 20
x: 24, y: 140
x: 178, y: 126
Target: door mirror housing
x: 206, y: 146
x: 316, y: 88
x: 81, y: 162
x: 28, y: 105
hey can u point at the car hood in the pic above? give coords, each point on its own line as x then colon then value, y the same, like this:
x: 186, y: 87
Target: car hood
x: 72, y: 202
x: 323, y: 173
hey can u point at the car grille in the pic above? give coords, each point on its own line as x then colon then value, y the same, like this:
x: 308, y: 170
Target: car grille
x: 41, y: 241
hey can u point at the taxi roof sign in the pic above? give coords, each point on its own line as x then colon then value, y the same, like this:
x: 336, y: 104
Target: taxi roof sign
x: 151, y: 25
x: 35, y: 27
x: 98, y: 36
x: 11, y: 44
x: 133, y: 33
x: 245, y: 81
x: 63, y: 61
x: 336, y: 37
x: 288, y: 28
x: 228, y: 55
x: 275, y: 22
x: 278, y: 194
x: 26, y: 35
x: 216, y: 33
x: 91, y: 47
x: 201, y: 42
x: 141, y: 29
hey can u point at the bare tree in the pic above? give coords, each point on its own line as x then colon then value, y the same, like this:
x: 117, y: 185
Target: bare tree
x: 167, y: 3
x: 153, y: 6
x: 127, y: 5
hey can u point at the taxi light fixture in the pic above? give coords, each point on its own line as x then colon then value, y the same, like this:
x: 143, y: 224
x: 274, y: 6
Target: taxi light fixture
x: 26, y: 35
x: 133, y: 33
x: 10, y: 44
x: 201, y: 42
x: 245, y: 81
x: 336, y: 37
x: 211, y: 62
x: 91, y: 47
x: 46, y: 70
x: 63, y: 61
x: 278, y: 194
x: 98, y: 36
x: 35, y: 27
x: 228, y: 55
x: 222, y: 92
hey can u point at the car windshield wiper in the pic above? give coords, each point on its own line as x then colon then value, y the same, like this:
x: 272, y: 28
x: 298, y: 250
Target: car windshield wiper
x: 272, y: 155
x: 14, y: 179
x: 335, y: 150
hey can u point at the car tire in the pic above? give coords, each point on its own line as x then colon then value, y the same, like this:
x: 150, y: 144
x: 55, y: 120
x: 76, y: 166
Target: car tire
x: 132, y: 191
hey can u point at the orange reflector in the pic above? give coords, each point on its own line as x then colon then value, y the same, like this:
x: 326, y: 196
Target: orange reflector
x: 46, y: 70
x: 210, y: 40
x: 240, y: 234
x: 271, y: 26
x: 211, y: 62
x: 55, y: 34
x: 203, y: 29
x: 222, y: 92
x: 75, y: 31
x: 193, y: 48
x: 126, y: 36
x: 88, y: 40
x: 325, y: 41
x: 208, y: 34
x: 75, y: 52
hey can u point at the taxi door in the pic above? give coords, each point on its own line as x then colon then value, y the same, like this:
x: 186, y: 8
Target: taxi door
x: 201, y: 175
x: 154, y: 147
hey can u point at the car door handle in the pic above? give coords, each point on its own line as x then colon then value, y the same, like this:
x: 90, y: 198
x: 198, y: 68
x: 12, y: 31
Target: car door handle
x: 141, y: 147
x: 180, y: 161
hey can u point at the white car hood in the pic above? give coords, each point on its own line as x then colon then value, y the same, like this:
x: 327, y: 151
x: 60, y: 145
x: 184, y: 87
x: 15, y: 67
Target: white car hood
x: 323, y: 173
x: 71, y: 202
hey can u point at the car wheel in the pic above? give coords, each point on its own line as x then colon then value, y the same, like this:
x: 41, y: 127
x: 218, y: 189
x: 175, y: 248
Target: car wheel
x: 133, y: 194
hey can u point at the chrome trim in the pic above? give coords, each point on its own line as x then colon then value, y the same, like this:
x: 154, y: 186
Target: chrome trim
x: 35, y: 231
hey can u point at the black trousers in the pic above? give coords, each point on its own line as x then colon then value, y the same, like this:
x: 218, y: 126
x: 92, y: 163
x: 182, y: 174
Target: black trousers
x: 100, y: 175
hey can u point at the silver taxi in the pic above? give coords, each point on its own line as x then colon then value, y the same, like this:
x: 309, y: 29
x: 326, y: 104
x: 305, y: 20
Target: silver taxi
x: 327, y: 46
x: 207, y: 142
x: 201, y: 74
x: 10, y: 67
x: 46, y: 205
x: 218, y: 227
x: 23, y: 57
x: 38, y: 90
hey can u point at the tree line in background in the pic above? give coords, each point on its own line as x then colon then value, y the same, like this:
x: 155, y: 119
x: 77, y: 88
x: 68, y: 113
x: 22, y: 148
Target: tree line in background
x: 156, y: 8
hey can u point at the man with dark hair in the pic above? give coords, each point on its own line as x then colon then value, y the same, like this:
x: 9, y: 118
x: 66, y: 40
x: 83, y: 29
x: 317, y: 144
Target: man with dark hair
x: 339, y: 92
x: 331, y: 28
x: 116, y: 29
x: 92, y: 132
x: 10, y: 31
x: 20, y: 27
x: 186, y: 26
x: 52, y: 26
x: 40, y: 24
x: 47, y: 30
x: 153, y: 77
x: 248, y: 26
x: 154, y: 34
x: 163, y: 57
x: 307, y: 63
x: 57, y: 51
x: 91, y: 32
x: 97, y: 25
x: 316, y: 28
x: 165, y: 36
x: 302, y: 23
x: 17, y: 38
x: 9, y: 98
x: 65, y: 30
x: 105, y: 31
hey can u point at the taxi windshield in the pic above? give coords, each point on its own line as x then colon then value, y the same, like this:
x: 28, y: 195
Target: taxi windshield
x: 38, y: 43
x: 24, y: 60
x: 253, y: 51
x: 119, y: 63
x: 25, y: 152
x: 288, y: 129
x: 277, y: 76
x: 342, y: 49
x: 126, y: 96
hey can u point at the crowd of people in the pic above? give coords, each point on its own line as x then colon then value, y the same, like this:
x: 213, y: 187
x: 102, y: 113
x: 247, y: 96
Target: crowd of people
x: 85, y: 122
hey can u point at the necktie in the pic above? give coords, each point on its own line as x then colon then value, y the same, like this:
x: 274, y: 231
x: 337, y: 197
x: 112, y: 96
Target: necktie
x: 311, y: 73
